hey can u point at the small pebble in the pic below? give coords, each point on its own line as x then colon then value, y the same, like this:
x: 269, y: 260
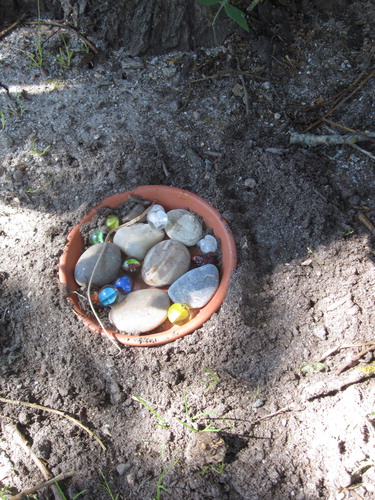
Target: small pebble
x: 207, y: 244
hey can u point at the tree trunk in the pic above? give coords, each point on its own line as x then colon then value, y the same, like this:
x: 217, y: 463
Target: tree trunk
x: 139, y: 26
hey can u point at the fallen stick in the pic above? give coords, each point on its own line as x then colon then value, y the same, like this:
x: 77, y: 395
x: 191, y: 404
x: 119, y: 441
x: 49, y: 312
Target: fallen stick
x: 12, y: 26
x: 334, y: 350
x: 328, y: 140
x: 67, y: 27
x: 22, y: 442
x: 58, y: 412
x: 355, y: 359
x: 39, y: 486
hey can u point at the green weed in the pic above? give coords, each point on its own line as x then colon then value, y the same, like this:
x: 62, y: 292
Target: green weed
x: 161, y: 422
x: 218, y: 469
x: 191, y: 419
x: 107, y: 488
x: 160, y: 487
x: 38, y: 152
x: 17, y: 109
x: 63, y: 494
x: 215, y: 379
x: 3, y: 120
x: 65, y: 55
x: 231, y: 11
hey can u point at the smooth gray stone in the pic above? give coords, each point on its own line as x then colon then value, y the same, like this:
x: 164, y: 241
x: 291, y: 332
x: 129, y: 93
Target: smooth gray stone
x: 165, y: 262
x: 136, y: 240
x: 108, y: 267
x: 184, y: 226
x: 196, y: 287
x: 141, y: 311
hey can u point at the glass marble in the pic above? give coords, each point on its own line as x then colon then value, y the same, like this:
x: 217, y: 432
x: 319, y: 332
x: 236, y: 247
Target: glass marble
x: 97, y: 236
x: 178, y: 313
x: 207, y: 244
x: 131, y: 265
x: 201, y: 260
x: 125, y: 284
x: 94, y: 297
x: 108, y: 295
x: 112, y: 221
x: 157, y: 218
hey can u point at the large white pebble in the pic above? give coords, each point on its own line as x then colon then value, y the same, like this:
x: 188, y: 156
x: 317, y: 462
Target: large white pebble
x: 184, y: 226
x: 196, y: 287
x: 165, y: 262
x: 141, y: 311
x: 107, y: 269
x: 136, y: 240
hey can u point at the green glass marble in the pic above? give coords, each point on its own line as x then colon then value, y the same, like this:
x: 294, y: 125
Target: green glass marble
x: 112, y: 221
x: 97, y: 236
x: 131, y: 265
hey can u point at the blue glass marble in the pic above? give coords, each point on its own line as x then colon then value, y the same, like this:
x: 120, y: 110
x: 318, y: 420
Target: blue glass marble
x: 108, y: 295
x: 125, y: 284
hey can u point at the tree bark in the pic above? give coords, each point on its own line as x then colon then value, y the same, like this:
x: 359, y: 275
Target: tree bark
x: 139, y: 26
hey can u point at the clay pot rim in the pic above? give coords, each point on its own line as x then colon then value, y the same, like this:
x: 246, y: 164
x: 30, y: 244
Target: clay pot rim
x: 170, y: 197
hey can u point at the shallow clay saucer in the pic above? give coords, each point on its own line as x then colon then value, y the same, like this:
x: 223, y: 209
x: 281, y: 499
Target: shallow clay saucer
x: 169, y: 198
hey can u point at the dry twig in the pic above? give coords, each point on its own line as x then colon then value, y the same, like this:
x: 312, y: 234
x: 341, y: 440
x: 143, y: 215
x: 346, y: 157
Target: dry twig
x: 58, y: 412
x: 22, y: 442
x: 10, y: 28
x: 355, y: 359
x: 67, y: 27
x: 39, y: 486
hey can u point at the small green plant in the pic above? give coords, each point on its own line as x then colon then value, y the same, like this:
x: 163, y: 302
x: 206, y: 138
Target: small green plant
x: 17, y: 109
x: 161, y: 422
x: 65, y: 55
x: 231, y: 11
x: 215, y: 379
x: 63, y: 494
x: 107, y: 488
x: 85, y: 48
x: 160, y: 487
x: 191, y: 419
x: 368, y: 369
x: 38, y: 152
x: 219, y: 469
x: 3, y: 120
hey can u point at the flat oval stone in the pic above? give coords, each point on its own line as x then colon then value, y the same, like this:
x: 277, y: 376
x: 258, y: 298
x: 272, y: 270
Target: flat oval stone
x: 107, y: 269
x: 165, y: 262
x: 141, y: 311
x: 196, y: 287
x: 136, y: 240
x: 184, y: 226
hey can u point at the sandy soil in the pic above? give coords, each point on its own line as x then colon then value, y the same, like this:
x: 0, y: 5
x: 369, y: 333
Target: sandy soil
x: 300, y: 306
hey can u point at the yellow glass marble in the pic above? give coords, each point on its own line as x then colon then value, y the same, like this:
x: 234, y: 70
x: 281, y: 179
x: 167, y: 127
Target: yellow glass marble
x: 178, y: 313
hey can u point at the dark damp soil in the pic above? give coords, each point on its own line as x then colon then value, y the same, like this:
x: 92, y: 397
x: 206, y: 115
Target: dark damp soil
x: 275, y: 371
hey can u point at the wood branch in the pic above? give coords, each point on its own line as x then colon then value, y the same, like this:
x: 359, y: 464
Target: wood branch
x: 39, y: 486
x: 328, y: 140
x: 22, y: 442
x: 58, y: 412
x: 67, y: 27
x: 10, y: 28
x: 355, y: 359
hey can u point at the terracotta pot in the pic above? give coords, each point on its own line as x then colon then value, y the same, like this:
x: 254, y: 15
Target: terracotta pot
x: 170, y: 198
